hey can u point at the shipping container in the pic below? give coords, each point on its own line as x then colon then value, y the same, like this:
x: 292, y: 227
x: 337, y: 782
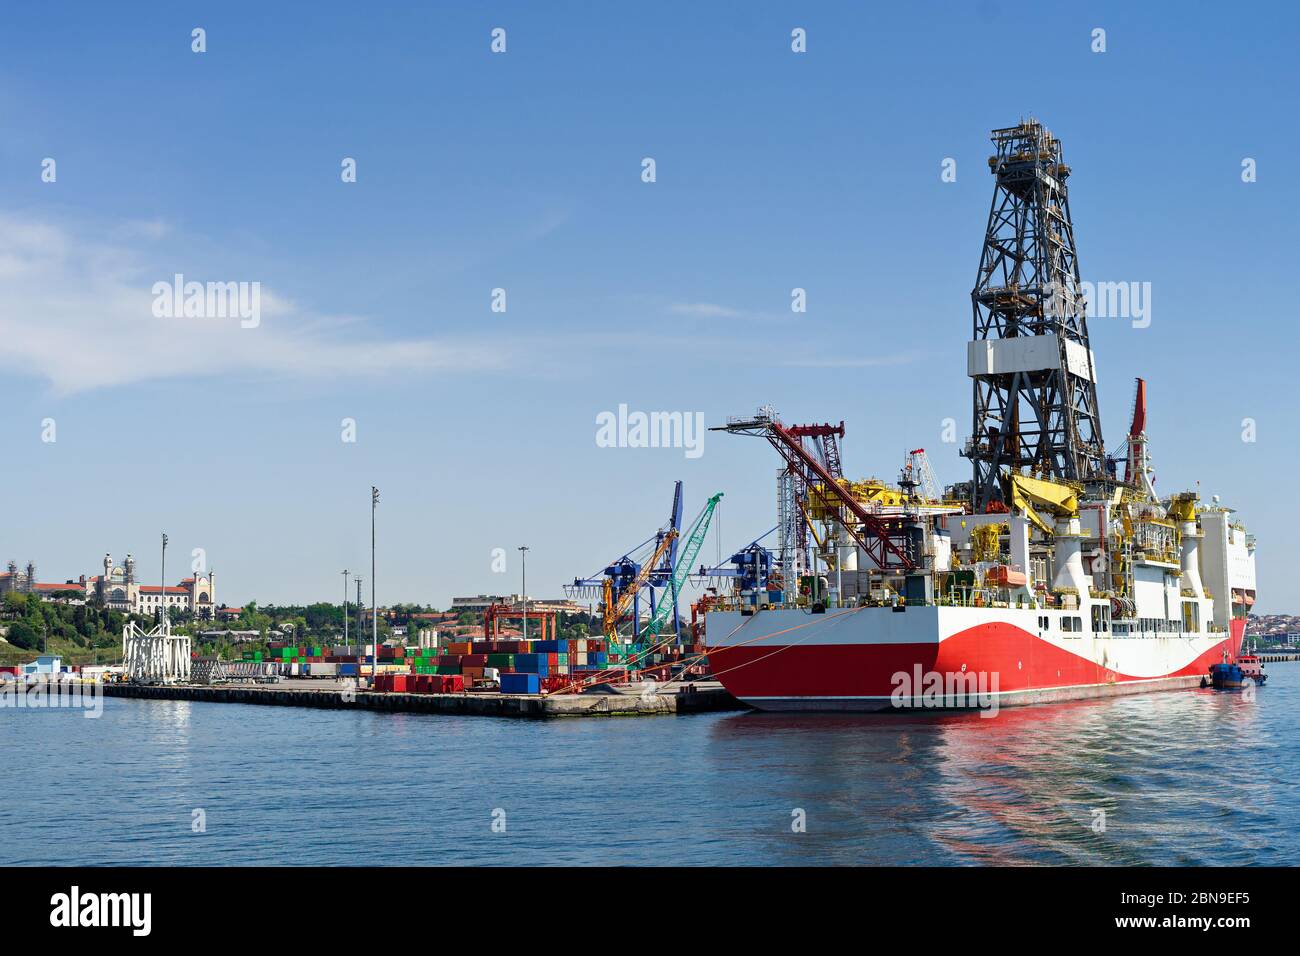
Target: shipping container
x: 518, y: 683
x: 531, y: 663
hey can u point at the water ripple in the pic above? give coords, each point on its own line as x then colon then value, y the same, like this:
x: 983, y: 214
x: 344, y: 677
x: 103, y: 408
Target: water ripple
x: 1189, y: 777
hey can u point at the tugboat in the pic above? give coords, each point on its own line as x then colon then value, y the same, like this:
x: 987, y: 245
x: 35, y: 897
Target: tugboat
x: 1247, y: 670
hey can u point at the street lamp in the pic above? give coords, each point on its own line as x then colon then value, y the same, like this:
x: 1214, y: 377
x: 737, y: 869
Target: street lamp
x: 374, y: 609
x: 523, y: 584
x: 345, y: 607
x: 357, y: 581
x: 162, y: 589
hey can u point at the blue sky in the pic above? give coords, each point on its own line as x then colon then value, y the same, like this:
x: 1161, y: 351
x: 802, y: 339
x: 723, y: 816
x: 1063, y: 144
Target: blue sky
x: 522, y: 171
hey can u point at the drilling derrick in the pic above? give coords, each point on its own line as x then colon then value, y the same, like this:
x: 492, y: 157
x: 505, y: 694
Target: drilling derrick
x: 1032, y: 369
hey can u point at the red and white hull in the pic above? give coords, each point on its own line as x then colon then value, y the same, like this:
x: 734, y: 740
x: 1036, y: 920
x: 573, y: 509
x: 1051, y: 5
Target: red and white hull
x: 874, y: 658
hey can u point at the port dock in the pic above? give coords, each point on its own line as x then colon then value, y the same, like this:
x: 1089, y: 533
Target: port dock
x: 701, y: 697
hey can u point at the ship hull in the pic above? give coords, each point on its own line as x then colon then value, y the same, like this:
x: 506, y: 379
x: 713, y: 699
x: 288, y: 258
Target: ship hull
x: 868, y: 659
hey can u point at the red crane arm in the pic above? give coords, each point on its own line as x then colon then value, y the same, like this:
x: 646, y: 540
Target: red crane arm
x: 879, y: 540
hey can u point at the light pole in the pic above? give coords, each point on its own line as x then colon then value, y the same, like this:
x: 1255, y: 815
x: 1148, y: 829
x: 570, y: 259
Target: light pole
x: 523, y: 584
x: 374, y: 609
x: 162, y: 590
x: 357, y: 581
x: 345, y: 608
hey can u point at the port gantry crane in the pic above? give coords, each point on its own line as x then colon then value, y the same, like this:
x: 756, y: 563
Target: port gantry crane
x: 682, y: 568
x: 615, y: 609
x: 630, y: 575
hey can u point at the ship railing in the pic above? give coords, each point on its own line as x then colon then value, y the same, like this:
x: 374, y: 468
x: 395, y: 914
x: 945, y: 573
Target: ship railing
x: 975, y: 597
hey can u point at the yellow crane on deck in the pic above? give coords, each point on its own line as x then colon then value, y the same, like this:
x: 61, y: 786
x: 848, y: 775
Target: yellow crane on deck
x: 1023, y: 493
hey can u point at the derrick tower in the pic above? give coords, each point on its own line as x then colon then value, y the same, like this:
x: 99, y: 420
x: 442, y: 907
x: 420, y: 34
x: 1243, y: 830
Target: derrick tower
x: 1032, y: 369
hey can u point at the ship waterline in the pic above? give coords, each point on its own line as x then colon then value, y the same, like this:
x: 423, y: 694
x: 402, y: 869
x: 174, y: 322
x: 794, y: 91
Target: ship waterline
x: 866, y: 659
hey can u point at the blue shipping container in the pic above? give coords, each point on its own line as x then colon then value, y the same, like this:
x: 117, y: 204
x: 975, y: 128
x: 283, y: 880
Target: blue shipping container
x: 531, y: 664
x: 515, y: 683
x: 348, y: 669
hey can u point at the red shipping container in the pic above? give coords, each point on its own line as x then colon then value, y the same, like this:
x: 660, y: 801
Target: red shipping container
x: 453, y: 684
x: 474, y: 660
x: 399, y: 682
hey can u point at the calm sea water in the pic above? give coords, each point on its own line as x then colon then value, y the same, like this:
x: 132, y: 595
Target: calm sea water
x: 1184, y: 778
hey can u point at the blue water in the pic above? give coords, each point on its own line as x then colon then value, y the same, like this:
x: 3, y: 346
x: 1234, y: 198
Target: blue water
x: 1184, y: 778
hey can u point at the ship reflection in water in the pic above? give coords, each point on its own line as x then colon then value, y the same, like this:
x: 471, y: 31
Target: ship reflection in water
x: 1195, y: 776
x: 1185, y: 777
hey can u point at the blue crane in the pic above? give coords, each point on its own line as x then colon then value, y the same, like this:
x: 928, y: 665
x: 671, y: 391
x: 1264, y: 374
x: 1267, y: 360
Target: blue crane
x: 623, y: 572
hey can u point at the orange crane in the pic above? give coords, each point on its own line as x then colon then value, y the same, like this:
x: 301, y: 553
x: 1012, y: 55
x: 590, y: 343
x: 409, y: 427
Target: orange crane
x: 615, y: 611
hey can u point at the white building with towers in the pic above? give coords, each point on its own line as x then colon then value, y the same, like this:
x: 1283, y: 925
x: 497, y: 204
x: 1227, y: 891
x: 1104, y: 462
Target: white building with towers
x: 119, y: 588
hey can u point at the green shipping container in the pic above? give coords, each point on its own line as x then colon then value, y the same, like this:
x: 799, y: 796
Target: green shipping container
x: 446, y: 668
x: 504, y: 662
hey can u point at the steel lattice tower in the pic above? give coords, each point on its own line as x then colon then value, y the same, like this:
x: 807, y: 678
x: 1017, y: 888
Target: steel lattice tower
x: 1035, y: 394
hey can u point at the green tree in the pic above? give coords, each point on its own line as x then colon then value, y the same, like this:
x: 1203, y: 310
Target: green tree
x: 23, y: 635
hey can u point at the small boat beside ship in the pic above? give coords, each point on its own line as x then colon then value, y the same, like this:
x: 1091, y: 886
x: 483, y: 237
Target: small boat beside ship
x: 1246, y: 671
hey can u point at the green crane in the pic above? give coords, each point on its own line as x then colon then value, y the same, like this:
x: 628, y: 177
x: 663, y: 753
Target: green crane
x: 685, y: 561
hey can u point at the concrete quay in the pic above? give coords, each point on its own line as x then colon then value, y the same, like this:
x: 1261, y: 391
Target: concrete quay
x: 702, y: 697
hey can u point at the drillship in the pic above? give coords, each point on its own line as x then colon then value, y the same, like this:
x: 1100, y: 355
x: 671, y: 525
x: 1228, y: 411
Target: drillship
x: 1057, y: 572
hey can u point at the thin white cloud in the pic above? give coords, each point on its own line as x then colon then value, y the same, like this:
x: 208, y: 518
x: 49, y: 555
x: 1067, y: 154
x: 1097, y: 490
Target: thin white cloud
x: 77, y: 312
x: 866, y: 361
x: 706, y: 310
x: 142, y: 229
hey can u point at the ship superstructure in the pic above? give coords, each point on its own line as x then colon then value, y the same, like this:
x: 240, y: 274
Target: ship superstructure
x: 1057, y: 571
